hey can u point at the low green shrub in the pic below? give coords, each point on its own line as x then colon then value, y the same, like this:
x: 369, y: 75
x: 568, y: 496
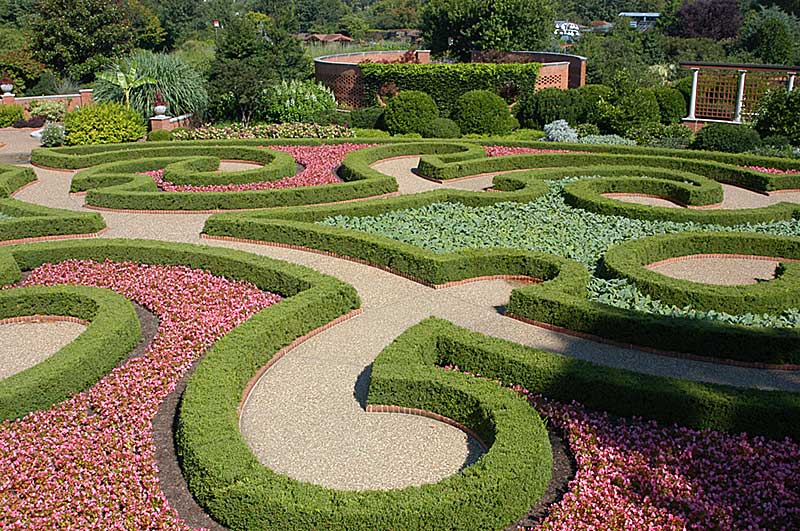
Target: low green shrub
x: 159, y: 135
x: 367, y: 118
x: 671, y: 104
x: 409, y: 112
x: 587, y: 129
x: 441, y: 128
x: 483, y: 112
x: 370, y: 133
x: 10, y: 114
x: 728, y: 138
x: 241, y: 131
x: 675, y: 136
x: 549, y: 105
x: 52, y: 111
x: 607, y: 139
x: 591, y: 99
x: 103, y: 123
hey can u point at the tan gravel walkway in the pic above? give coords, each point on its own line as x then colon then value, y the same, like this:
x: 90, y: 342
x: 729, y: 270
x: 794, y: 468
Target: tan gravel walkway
x: 722, y: 271
x: 734, y: 198
x: 23, y: 345
x: 304, y: 418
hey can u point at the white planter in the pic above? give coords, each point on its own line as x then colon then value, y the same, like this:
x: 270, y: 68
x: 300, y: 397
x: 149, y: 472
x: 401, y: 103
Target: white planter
x: 160, y: 110
x: 7, y: 88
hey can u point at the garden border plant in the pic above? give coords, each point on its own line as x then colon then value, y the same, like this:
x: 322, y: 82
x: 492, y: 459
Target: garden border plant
x: 560, y: 300
x: 34, y: 221
x: 113, y: 331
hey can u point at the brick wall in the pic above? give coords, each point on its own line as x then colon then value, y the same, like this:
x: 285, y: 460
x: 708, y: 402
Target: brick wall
x: 84, y: 97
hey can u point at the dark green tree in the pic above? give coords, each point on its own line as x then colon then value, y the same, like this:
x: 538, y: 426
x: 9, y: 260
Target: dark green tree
x: 253, y: 54
x: 394, y: 14
x: 460, y: 26
x: 354, y: 26
x: 320, y: 16
x: 179, y: 18
x: 772, y: 35
x: 79, y: 37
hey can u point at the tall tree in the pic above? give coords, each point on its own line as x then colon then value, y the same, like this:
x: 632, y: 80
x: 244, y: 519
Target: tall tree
x: 179, y: 18
x: 394, y: 14
x: 712, y: 19
x: 460, y: 26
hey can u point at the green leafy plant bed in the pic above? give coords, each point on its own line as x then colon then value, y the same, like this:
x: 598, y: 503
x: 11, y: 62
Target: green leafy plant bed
x: 20, y: 220
x: 433, y: 237
x: 113, y: 332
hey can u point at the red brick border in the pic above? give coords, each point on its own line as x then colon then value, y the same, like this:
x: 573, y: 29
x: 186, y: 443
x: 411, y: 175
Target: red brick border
x: 44, y: 319
x: 377, y: 408
x: 719, y: 255
x: 282, y: 352
x: 370, y: 264
x: 24, y: 186
x: 650, y: 350
x: 55, y: 237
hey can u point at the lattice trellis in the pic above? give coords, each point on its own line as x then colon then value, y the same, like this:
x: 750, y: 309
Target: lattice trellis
x: 716, y: 94
x: 756, y: 86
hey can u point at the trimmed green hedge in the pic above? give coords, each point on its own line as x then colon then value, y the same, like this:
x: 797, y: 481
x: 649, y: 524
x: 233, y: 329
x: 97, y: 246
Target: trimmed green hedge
x: 629, y: 261
x: 114, y: 331
x: 31, y: 221
x: 617, y: 391
x: 445, y: 82
x: 561, y: 300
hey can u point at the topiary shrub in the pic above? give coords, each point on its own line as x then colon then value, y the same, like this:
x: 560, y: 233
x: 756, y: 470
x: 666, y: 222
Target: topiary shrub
x: 590, y: 98
x: 409, y: 112
x: 727, y: 137
x: 297, y: 101
x: 549, y: 105
x: 10, y: 114
x: 159, y: 135
x: 780, y: 115
x: 367, y: 118
x: 483, y: 112
x: 442, y: 128
x: 53, y: 135
x: 671, y: 104
x: 103, y: 123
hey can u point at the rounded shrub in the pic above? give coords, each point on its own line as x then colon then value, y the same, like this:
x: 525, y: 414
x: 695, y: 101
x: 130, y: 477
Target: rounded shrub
x: 671, y: 104
x: 483, y: 112
x: 367, y: 118
x: 53, y: 135
x: 442, y: 128
x: 103, y: 123
x: 159, y: 135
x: 410, y: 112
x: 727, y: 137
x: 549, y: 105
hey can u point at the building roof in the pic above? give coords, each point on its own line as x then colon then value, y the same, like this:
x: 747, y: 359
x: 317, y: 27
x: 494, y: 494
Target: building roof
x: 327, y: 37
x: 636, y: 14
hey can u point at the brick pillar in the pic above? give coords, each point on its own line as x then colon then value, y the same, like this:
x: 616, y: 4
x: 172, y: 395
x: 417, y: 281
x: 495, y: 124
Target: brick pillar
x: 8, y: 100
x: 86, y: 96
x: 160, y: 122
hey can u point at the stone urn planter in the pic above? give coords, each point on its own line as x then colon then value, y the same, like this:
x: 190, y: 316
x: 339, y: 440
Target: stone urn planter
x: 7, y: 87
x: 160, y: 110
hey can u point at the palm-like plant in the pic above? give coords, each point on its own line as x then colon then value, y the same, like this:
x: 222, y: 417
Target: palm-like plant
x: 126, y: 78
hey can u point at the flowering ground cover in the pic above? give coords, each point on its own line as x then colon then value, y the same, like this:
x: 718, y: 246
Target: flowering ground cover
x: 775, y: 171
x: 320, y: 164
x: 89, y: 462
x: 636, y: 475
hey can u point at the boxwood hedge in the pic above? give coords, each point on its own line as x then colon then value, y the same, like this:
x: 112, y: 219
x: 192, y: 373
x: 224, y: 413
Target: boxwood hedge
x: 31, y: 221
x: 113, y: 331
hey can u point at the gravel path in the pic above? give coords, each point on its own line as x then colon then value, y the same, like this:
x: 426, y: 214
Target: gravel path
x: 18, y: 145
x: 23, y: 345
x: 734, y: 198
x: 722, y: 270
x: 304, y: 416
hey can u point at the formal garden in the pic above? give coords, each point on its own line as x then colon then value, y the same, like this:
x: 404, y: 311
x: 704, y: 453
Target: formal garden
x: 230, y: 301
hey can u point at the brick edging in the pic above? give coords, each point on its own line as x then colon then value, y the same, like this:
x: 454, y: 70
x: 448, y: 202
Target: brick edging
x: 54, y: 237
x: 44, y: 319
x: 719, y: 255
x: 412, y: 278
x: 282, y: 352
x: 787, y: 190
x: 651, y: 350
x: 23, y: 187
x: 380, y: 408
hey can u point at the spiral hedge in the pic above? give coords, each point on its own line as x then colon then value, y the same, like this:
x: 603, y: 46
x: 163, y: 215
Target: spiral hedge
x: 562, y: 299
x: 26, y: 220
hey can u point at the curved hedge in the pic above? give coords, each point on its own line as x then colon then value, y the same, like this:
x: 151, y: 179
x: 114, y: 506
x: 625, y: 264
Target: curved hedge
x: 629, y: 261
x: 617, y: 391
x: 113, y: 332
x: 562, y: 300
x: 33, y: 221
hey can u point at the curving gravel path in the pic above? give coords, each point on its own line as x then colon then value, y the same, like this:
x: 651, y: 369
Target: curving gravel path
x: 719, y: 270
x: 734, y: 197
x: 304, y: 416
x: 25, y: 344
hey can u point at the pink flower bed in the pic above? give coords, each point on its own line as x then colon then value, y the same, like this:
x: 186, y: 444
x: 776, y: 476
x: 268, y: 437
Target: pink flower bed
x: 89, y: 462
x: 635, y: 475
x: 320, y: 164
x: 776, y: 171
x: 502, y: 151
